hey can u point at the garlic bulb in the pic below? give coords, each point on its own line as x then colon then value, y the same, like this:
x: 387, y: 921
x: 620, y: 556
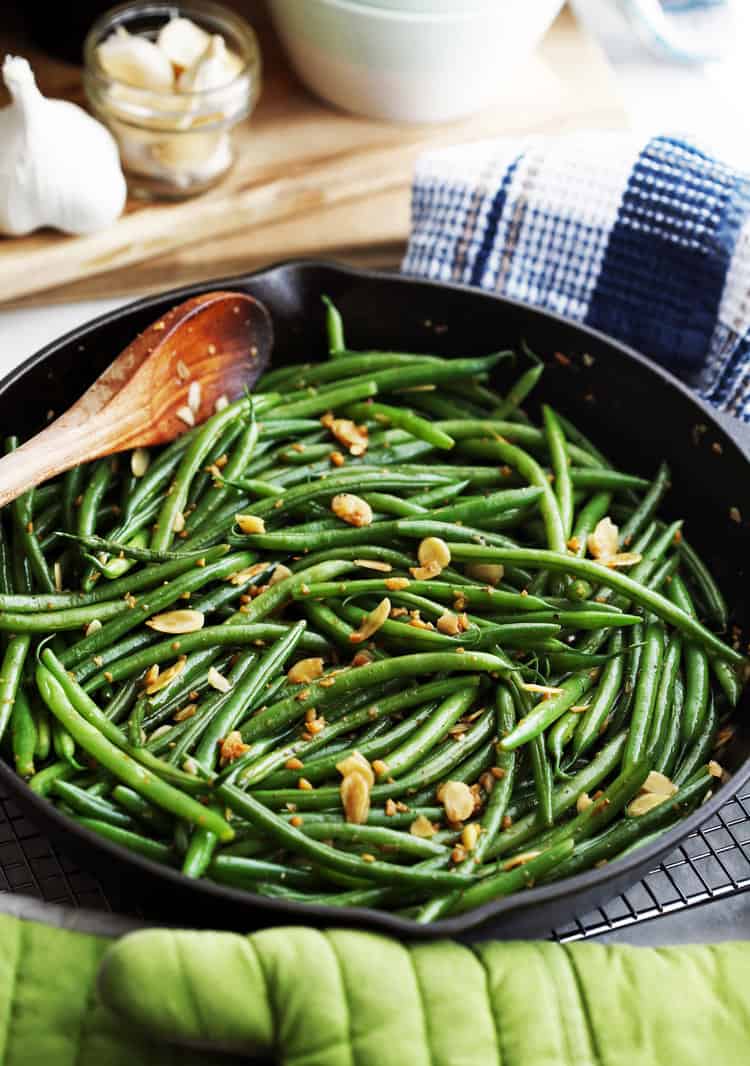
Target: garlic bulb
x: 182, y: 42
x: 135, y: 60
x: 58, y: 166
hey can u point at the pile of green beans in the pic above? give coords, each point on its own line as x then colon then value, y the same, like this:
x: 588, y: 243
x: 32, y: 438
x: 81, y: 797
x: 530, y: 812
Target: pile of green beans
x: 354, y: 641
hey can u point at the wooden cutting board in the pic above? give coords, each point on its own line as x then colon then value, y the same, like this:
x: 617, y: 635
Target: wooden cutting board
x: 309, y: 179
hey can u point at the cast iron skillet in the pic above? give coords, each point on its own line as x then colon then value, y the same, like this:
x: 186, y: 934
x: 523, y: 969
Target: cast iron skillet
x: 635, y: 411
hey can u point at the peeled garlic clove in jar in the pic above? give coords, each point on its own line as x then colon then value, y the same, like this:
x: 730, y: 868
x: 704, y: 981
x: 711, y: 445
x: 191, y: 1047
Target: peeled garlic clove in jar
x: 216, y: 67
x: 136, y: 61
x: 182, y: 42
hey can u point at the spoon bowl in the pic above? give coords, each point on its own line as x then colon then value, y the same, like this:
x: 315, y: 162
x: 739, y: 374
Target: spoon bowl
x: 169, y: 378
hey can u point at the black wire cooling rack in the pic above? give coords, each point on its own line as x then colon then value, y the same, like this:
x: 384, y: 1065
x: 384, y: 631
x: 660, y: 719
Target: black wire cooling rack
x: 713, y: 863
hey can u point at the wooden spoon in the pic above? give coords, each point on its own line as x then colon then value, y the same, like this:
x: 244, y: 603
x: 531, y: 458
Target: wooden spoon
x: 167, y: 379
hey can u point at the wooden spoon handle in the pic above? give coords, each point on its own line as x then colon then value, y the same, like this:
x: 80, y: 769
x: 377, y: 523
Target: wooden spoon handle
x: 55, y: 449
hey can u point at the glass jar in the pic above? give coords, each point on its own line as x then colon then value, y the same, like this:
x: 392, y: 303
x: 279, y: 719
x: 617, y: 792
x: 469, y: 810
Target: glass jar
x: 173, y: 144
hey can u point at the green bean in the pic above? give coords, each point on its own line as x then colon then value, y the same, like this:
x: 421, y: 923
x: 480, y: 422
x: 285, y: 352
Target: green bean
x: 559, y: 461
x: 587, y: 519
x: 96, y: 489
x: 115, y: 760
x: 152, y: 603
x: 22, y: 513
x: 645, y: 597
x: 243, y: 872
x: 150, y: 849
x: 23, y: 734
x: 71, y: 490
x: 700, y: 748
x: 200, y: 852
x: 594, y: 720
x: 43, y: 733
x: 646, y: 509
x: 131, y: 551
x: 328, y: 399
x: 671, y: 745
x: 664, y: 697
x: 519, y: 391
x: 507, y: 882
x: 391, y: 841
x: 730, y: 683
x: 43, y: 780
x: 479, y: 437
x: 443, y: 592
x: 402, y: 417
x: 64, y: 744
x: 406, y: 755
x: 83, y: 802
x: 709, y: 590
x: 142, y: 811
x: 558, y: 738
x: 10, y: 676
x: 696, y: 669
x: 644, y: 697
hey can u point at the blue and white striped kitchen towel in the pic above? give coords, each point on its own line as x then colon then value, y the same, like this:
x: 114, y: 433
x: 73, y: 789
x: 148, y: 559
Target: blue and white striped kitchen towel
x: 648, y: 242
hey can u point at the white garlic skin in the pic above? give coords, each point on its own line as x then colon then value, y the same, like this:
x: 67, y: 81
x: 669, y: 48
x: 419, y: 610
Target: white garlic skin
x: 59, y: 167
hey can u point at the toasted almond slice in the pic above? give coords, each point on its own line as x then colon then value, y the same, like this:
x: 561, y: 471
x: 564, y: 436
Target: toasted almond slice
x: 457, y: 799
x: 470, y: 835
x: 605, y: 540
x: 239, y: 577
x: 487, y: 573
x: 352, y: 509
x: 250, y: 523
x: 372, y: 622
x: 373, y: 564
x: 520, y: 860
x: 355, y: 798
x: 194, y: 396
x: 434, y: 550
x: 644, y: 803
x: 57, y: 573
x: 356, y: 763
x: 583, y: 802
x: 715, y: 769
x: 178, y: 523
x: 184, y: 713
x: 218, y: 681
x: 395, y: 584
x: 93, y: 627
x: 139, y: 461
x: 163, y: 679
x: 221, y: 402
x: 305, y: 670
x: 182, y: 621
x: 425, y: 573
x: 659, y: 783
x: 280, y: 573
x: 421, y: 827
x: 543, y: 690
x: 621, y: 559
x: 448, y: 624
x: 185, y: 414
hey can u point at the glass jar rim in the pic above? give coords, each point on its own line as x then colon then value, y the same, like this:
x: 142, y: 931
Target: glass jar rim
x: 113, y: 17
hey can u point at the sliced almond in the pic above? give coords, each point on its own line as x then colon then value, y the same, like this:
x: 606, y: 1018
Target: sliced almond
x: 457, y: 799
x: 348, y: 433
x: 178, y: 523
x: 425, y: 573
x: 305, y: 670
x: 421, y: 827
x: 184, y: 713
x: 194, y: 396
x: 232, y: 747
x: 356, y: 763
x: 185, y: 414
x: 470, y: 835
x: 543, y: 690
x: 221, y: 402
x: 659, y: 784
x: 139, y: 461
x: 520, y: 860
x: 182, y: 621
x: 605, y: 540
x: 352, y: 509
x: 434, y: 550
x: 239, y: 577
x: 448, y: 624
x: 715, y: 769
x: 372, y: 622
x: 373, y: 564
x: 218, y: 681
x: 644, y: 803
x: 166, y: 676
x: 355, y: 798
x: 93, y: 627
x: 280, y: 573
x: 57, y: 574
x: 250, y: 523
x: 621, y: 560
x: 583, y: 802
x: 487, y: 573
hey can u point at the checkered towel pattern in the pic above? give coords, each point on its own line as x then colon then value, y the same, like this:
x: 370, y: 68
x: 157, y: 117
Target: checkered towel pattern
x: 648, y: 242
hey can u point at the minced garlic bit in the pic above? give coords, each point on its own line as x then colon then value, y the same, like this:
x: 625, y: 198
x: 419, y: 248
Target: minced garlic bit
x: 715, y: 769
x: 457, y: 799
x: 421, y: 827
x: 583, y: 802
x: 520, y: 860
x: 184, y: 712
x: 355, y: 798
x: 373, y: 564
x: 182, y: 621
x: 372, y: 622
x: 185, y: 414
x: 352, y: 509
x: 139, y: 461
x: 305, y: 670
x: 232, y: 747
x: 470, y: 835
x: 348, y: 433
x: 396, y: 584
x: 161, y: 680
x: 452, y: 624
x: 487, y: 573
x: 356, y: 763
x: 218, y: 681
x: 542, y: 690
x: 250, y: 523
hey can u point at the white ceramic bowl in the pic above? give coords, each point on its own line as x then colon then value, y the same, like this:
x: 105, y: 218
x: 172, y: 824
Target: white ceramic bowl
x: 409, y: 66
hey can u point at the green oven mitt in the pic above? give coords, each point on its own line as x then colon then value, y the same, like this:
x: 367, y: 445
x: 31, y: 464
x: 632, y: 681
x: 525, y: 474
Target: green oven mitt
x: 344, y: 998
